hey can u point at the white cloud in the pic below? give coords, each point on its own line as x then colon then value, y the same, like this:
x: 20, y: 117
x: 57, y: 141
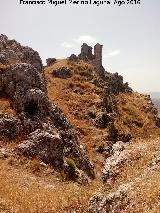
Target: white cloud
x: 90, y: 40
x: 67, y: 44
x: 112, y: 54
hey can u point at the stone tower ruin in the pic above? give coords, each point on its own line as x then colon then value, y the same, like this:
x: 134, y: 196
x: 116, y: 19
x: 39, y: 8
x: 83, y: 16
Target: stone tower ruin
x: 98, y: 58
x: 95, y: 59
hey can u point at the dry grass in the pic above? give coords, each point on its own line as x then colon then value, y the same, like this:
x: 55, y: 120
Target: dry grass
x: 6, y: 107
x: 78, y: 94
x: 26, y: 186
x: 144, y: 193
x: 21, y: 191
x: 134, y: 118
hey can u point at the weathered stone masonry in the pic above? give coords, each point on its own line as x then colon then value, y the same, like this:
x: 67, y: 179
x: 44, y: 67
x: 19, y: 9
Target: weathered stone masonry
x: 95, y: 59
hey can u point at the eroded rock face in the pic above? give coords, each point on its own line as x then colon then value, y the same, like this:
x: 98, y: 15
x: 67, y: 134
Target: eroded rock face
x: 115, y: 83
x: 116, y: 201
x: 53, y: 147
x: 58, y: 118
x: 75, y: 151
x: 10, y: 127
x: 50, y: 136
x: 33, y: 103
x: 11, y: 50
x: 25, y: 86
x: 45, y: 146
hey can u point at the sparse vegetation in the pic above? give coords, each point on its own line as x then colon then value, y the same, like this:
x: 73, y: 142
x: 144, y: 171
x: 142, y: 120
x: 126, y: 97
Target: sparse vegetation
x: 72, y: 168
x: 28, y: 185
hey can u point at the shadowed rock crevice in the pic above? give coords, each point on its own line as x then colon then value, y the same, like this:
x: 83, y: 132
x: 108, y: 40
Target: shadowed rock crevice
x: 31, y: 108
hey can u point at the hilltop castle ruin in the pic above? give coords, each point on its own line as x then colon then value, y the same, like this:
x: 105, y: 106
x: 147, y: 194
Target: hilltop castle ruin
x: 95, y: 59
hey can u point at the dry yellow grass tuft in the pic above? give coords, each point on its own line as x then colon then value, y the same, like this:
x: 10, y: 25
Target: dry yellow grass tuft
x: 21, y: 191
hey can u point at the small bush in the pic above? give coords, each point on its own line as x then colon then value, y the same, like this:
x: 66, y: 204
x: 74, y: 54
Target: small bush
x: 72, y: 169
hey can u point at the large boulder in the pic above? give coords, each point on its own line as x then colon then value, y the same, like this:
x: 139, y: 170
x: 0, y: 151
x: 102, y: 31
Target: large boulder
x: 45, y: 146
x: 52, y: 148
x: 26, y: 73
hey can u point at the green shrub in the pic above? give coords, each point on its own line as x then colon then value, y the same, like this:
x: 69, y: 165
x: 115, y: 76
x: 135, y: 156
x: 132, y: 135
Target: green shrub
x: 72, y: 173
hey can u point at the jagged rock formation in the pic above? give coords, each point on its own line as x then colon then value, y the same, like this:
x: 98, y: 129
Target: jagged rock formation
x: 115, y: 83
x: 45, y: 146
x: 12, y: 52
x: 120, y: 200
x: 24, y: 85
x: 95, y: 115
x: 73, y: 57
x: 115, y: 202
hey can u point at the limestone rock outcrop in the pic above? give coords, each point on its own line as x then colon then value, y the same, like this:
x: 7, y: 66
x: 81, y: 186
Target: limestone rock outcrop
x: 12, y: 51
x: 49, y: 135
x: 10, y: 126
x: 25, y: 86
x: 45, y: 146
x: 115, y: 83
x: 116, y: 201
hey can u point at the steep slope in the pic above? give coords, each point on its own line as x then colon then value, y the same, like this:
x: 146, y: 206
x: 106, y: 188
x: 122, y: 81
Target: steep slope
x: 133, y: 185
x: 42, y: 129
x: 55, y: 121
x: 83, y: 98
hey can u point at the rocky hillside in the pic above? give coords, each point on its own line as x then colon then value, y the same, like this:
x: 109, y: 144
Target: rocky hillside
x: 72, y: 130
x: 156, y: 102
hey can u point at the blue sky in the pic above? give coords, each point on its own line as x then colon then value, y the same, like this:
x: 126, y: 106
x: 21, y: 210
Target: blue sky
x: 130, y: 35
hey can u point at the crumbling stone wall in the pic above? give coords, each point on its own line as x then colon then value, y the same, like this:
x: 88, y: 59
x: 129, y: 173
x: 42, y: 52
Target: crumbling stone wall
x: 95, y: 59
x: 113, y: 82
x: 86, y: 52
